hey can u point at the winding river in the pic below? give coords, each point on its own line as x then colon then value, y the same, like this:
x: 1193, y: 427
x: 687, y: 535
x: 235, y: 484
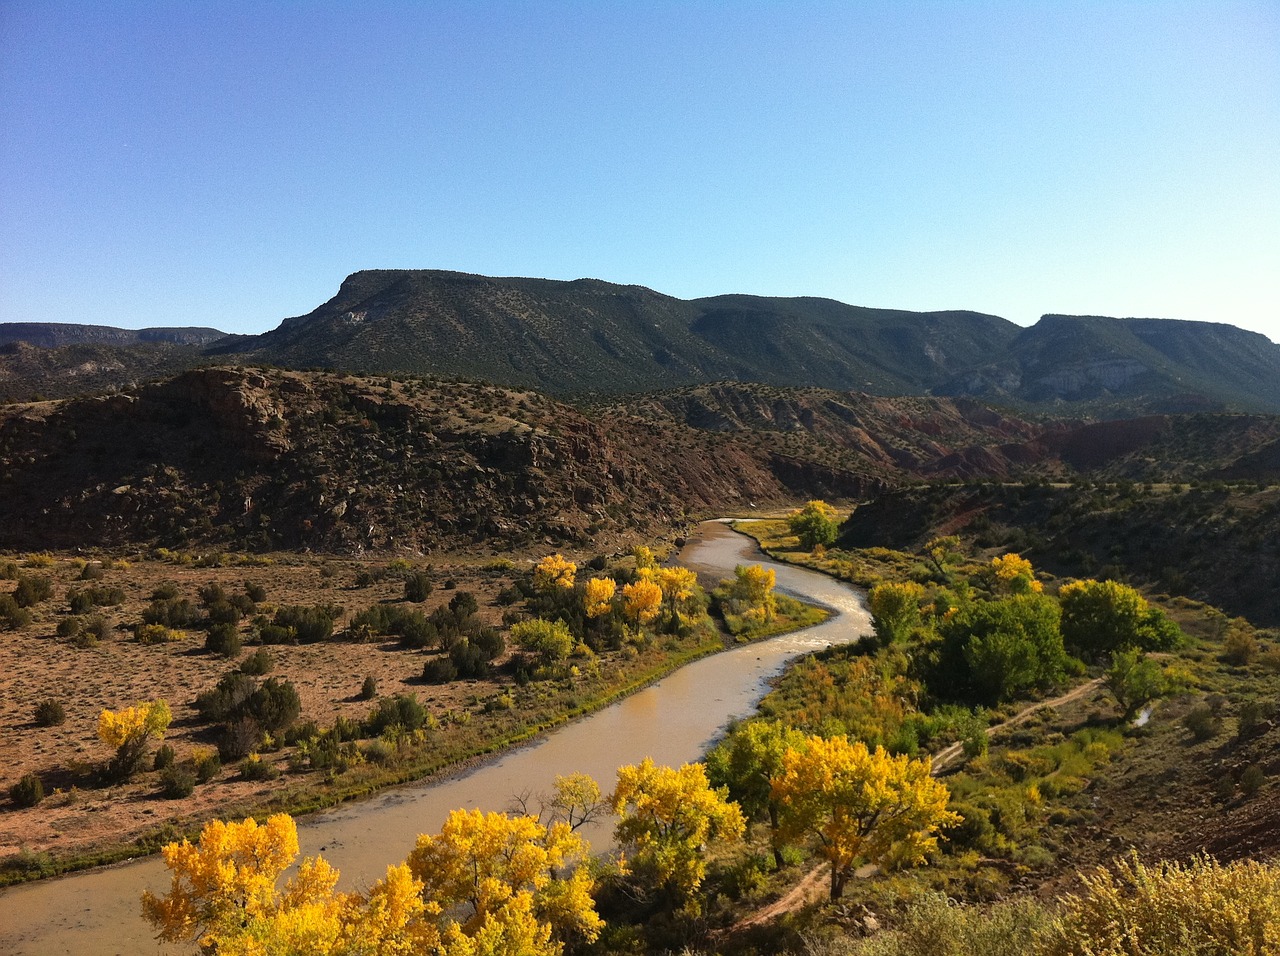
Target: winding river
x: 673, y: 721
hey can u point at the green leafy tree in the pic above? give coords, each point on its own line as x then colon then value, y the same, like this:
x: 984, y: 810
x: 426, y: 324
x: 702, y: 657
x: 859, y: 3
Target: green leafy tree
x: 1099, y: 617
x: 814, y: 524
x: 747, y: 763
x: 895, y: 610
x: 548, y: 641
x: 1134, y: 680
x: 993, y: 651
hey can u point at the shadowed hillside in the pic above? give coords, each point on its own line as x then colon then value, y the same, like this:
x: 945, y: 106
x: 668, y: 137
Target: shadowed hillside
x: 1212, y: 542
x: 272, y: 458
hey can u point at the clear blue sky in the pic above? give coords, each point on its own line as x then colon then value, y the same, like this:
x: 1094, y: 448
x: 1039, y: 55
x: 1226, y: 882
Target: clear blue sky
x: 228, y: 164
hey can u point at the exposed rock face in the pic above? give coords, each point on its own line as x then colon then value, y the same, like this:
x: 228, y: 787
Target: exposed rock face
x: 271, y: 458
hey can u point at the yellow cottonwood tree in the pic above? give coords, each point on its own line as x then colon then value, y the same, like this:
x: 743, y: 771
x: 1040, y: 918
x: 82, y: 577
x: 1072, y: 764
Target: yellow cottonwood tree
x: 1012, y: 574
x: 856, y: 805
x: 507, y: 884
x: 641, y: 601
x: 554, y: 571
x: 597, y: 599
x: 752, y: 589
x: 493, y: 874
x: 128, y: 730
x: 679, y: 585
x: 667, y: 816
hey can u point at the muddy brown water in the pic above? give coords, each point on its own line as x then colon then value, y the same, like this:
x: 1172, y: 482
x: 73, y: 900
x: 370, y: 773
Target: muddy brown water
x: 673, y: 721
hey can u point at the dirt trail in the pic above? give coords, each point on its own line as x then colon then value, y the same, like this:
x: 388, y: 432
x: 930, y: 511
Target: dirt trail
x: 811, y: 886
x: 943, y: 758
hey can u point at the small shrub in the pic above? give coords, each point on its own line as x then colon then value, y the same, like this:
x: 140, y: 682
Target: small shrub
x: 32, y: 589
x: 176, y: 782
x: 164, y: 758
x: 417, y: 586
x: 171, y: 612
x: 96, y: 628
x: 369, y: 689
x: 223, y: 612
x: 379, y: 752
x: 50, y: 713
x: 1250, y: 719
x: 208, y: 766
x: 223, y: 639
x: 39, y: 559
x: 1240, y: 646
x: 258, y: 663
x: 299, y: 733
x: 165, y: 592
x: 1251, y: 780
x: 253, y: 767
x: 8, y: 570
x: 69, y: 627
x: 255, y: 592
x: 402, y: 710
x: 79, y: 602
x: 28, y: 791
x: 157, y: 634
x: 11, y: 614
x: 441, y: 670
x: 105, y: 596
x: 308, y: 624
x: 1201, y: 722
x: 92, y: 572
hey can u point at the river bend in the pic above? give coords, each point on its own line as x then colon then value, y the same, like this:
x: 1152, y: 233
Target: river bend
x: 673, y: 721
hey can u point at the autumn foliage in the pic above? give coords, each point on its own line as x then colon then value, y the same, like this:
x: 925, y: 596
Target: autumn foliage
x: 856, y: 805
x: 483, y: 885
x: 128, y: 731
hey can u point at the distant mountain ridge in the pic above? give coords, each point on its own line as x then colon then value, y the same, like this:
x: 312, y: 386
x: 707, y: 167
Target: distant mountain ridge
x: 588, y: 337
x: 52, y: 335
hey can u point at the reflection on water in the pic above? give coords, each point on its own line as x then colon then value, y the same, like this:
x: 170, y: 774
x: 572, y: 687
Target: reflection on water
x: 672, y: 721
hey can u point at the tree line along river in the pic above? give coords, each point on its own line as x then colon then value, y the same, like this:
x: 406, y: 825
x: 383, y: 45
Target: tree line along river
x: 673, y: 721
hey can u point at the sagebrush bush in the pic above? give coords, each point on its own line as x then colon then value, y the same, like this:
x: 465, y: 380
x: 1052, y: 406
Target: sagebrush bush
x: 164, y: 757
x: 223, y: 639
x: 417, y: 586
x: 177, y: 781
x: 254, y: 591
x: 50, y: 713
x: 253, y: 767
x: 28, y: 791
x: 157, y: 634
x: 369, y: 689
x: 1200, y: 907
x: 69, y: 627
x: 258, y: 663
x: 1201, y: 721
x: 32, y: 589
x: 11, y: 614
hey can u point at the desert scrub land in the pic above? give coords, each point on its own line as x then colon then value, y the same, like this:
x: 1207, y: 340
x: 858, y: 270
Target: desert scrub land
x: 293, y: 681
